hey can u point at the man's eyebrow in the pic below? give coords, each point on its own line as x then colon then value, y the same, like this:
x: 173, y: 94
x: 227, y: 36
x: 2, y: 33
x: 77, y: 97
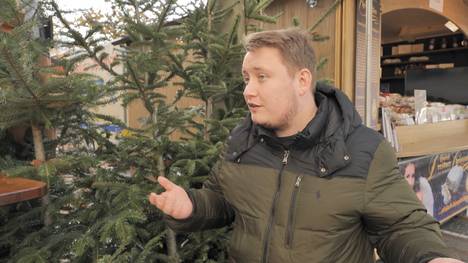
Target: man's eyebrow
x: 255, y: 69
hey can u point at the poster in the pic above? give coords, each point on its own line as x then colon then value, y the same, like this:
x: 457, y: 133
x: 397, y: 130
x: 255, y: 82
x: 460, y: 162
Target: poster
x: 440, y: 182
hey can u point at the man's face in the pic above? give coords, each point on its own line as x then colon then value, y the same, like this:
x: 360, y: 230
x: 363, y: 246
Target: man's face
x: 270, y: 91
x: 410, y: 170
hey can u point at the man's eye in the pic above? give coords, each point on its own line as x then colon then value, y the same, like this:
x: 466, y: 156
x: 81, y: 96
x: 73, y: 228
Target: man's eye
x: 262, y: 77
x: 246, y: 80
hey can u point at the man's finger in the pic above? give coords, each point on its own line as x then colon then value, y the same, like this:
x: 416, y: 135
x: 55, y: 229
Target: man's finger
x: 165, y: 183
x: 157, y: 200
x: 152, y: 198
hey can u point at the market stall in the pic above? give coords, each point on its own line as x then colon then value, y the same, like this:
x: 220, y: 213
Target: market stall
x: 424, y: 105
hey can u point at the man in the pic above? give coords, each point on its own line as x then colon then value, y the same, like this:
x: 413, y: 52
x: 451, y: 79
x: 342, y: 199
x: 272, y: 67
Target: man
x: 302, y: 180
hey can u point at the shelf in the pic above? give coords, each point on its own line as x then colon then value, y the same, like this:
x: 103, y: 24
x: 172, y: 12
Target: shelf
x: 429, y: 52
x: 406, y: 63
x: 421, y: 39
x: 392, y: 78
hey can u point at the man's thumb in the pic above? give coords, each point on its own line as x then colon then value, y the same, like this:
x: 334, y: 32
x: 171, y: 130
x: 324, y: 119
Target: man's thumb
x: 165, y: 183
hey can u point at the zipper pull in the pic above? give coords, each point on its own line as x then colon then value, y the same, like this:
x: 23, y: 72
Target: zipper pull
x: 298, y: 181
x: 285, y: 157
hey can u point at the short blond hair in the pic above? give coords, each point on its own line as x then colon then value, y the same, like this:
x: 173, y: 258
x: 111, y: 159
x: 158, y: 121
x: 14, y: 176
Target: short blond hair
x: 293, y: 44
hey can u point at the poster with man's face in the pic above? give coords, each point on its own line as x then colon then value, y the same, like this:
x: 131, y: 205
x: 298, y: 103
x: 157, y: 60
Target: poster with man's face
x: 440, y: 182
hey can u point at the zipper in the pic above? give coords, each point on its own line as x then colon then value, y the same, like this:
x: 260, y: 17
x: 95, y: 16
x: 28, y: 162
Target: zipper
x: 266, y: 249
x: 292, y: 208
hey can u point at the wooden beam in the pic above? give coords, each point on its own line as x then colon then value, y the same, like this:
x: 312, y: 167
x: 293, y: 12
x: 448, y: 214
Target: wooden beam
x: 410, y: 33
x: 345, y: 47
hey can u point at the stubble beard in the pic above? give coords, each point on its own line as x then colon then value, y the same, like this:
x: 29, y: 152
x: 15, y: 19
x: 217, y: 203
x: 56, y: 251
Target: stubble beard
x: 285, y: 120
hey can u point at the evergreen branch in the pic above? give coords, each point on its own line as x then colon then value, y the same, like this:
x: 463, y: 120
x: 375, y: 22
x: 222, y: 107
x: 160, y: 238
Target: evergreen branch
x: 148, y: 250
x: 321, y: 63
x: 145, y: 98
x: 233, y: 33
x: 164, y: 14
x: 227, y: 10
x: 82, y: 42
x: 262, y: 18
x: 261, y: 6
x: 170, y: 76
x: 295, y: 21
x: 17, y: 72
x: 325, y: 15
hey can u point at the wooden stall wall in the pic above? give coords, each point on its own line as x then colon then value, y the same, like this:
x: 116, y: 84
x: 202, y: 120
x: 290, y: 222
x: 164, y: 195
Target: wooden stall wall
x: 455, y: 10
x: 308, y: 17
x: 339, y: 26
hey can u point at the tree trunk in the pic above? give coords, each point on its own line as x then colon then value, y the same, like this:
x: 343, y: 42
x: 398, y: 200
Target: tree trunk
x: 208, y: 113
x: 40, y: 156
x: 172, y: 245
x: 38, y: 143
x: 171, y: 242
x: 45, y: 204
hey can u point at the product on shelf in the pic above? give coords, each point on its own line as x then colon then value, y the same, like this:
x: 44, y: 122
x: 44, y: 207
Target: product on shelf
x: 454, y: 42
x: 464, y: 43
x: 402, y: 111
x: 444, y: 43
x: 431, y: 44
x: 418, y: 59
x: 391, y: 61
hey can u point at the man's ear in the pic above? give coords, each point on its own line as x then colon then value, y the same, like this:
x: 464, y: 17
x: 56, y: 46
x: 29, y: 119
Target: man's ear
x: 305, y: 80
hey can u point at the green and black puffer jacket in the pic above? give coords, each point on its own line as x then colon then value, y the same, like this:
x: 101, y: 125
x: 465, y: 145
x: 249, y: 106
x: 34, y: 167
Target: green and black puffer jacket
x: 333, y: 196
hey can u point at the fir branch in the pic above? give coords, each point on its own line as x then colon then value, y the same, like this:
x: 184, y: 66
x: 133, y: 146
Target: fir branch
x: 11, y: 62
x: 261, y: 6
x: 325, y: 15
x: 142, y: 92
x: 164, y: 14
x: 82, y: 42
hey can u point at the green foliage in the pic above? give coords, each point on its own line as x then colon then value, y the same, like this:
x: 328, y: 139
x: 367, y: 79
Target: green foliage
x: 98, y: 191
x: 6, y: 13
x: 7, y: 162
x: 37, y: 91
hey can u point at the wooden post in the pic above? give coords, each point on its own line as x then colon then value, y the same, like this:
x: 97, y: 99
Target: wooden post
x: 345, y: 46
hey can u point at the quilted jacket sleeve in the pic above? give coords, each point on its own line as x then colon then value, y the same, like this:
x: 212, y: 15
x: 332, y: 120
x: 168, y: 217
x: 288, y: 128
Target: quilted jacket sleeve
x: 210, y: 208
x: 395, y: 219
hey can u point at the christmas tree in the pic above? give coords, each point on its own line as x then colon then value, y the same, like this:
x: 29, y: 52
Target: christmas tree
x: 45, y: 99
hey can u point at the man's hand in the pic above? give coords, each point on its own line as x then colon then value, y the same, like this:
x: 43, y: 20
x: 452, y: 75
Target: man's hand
x: 445, y: 260
x: 174, y: 201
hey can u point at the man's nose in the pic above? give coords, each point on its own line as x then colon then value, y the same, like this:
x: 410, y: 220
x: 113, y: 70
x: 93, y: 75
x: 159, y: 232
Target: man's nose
x: 250, y: 90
